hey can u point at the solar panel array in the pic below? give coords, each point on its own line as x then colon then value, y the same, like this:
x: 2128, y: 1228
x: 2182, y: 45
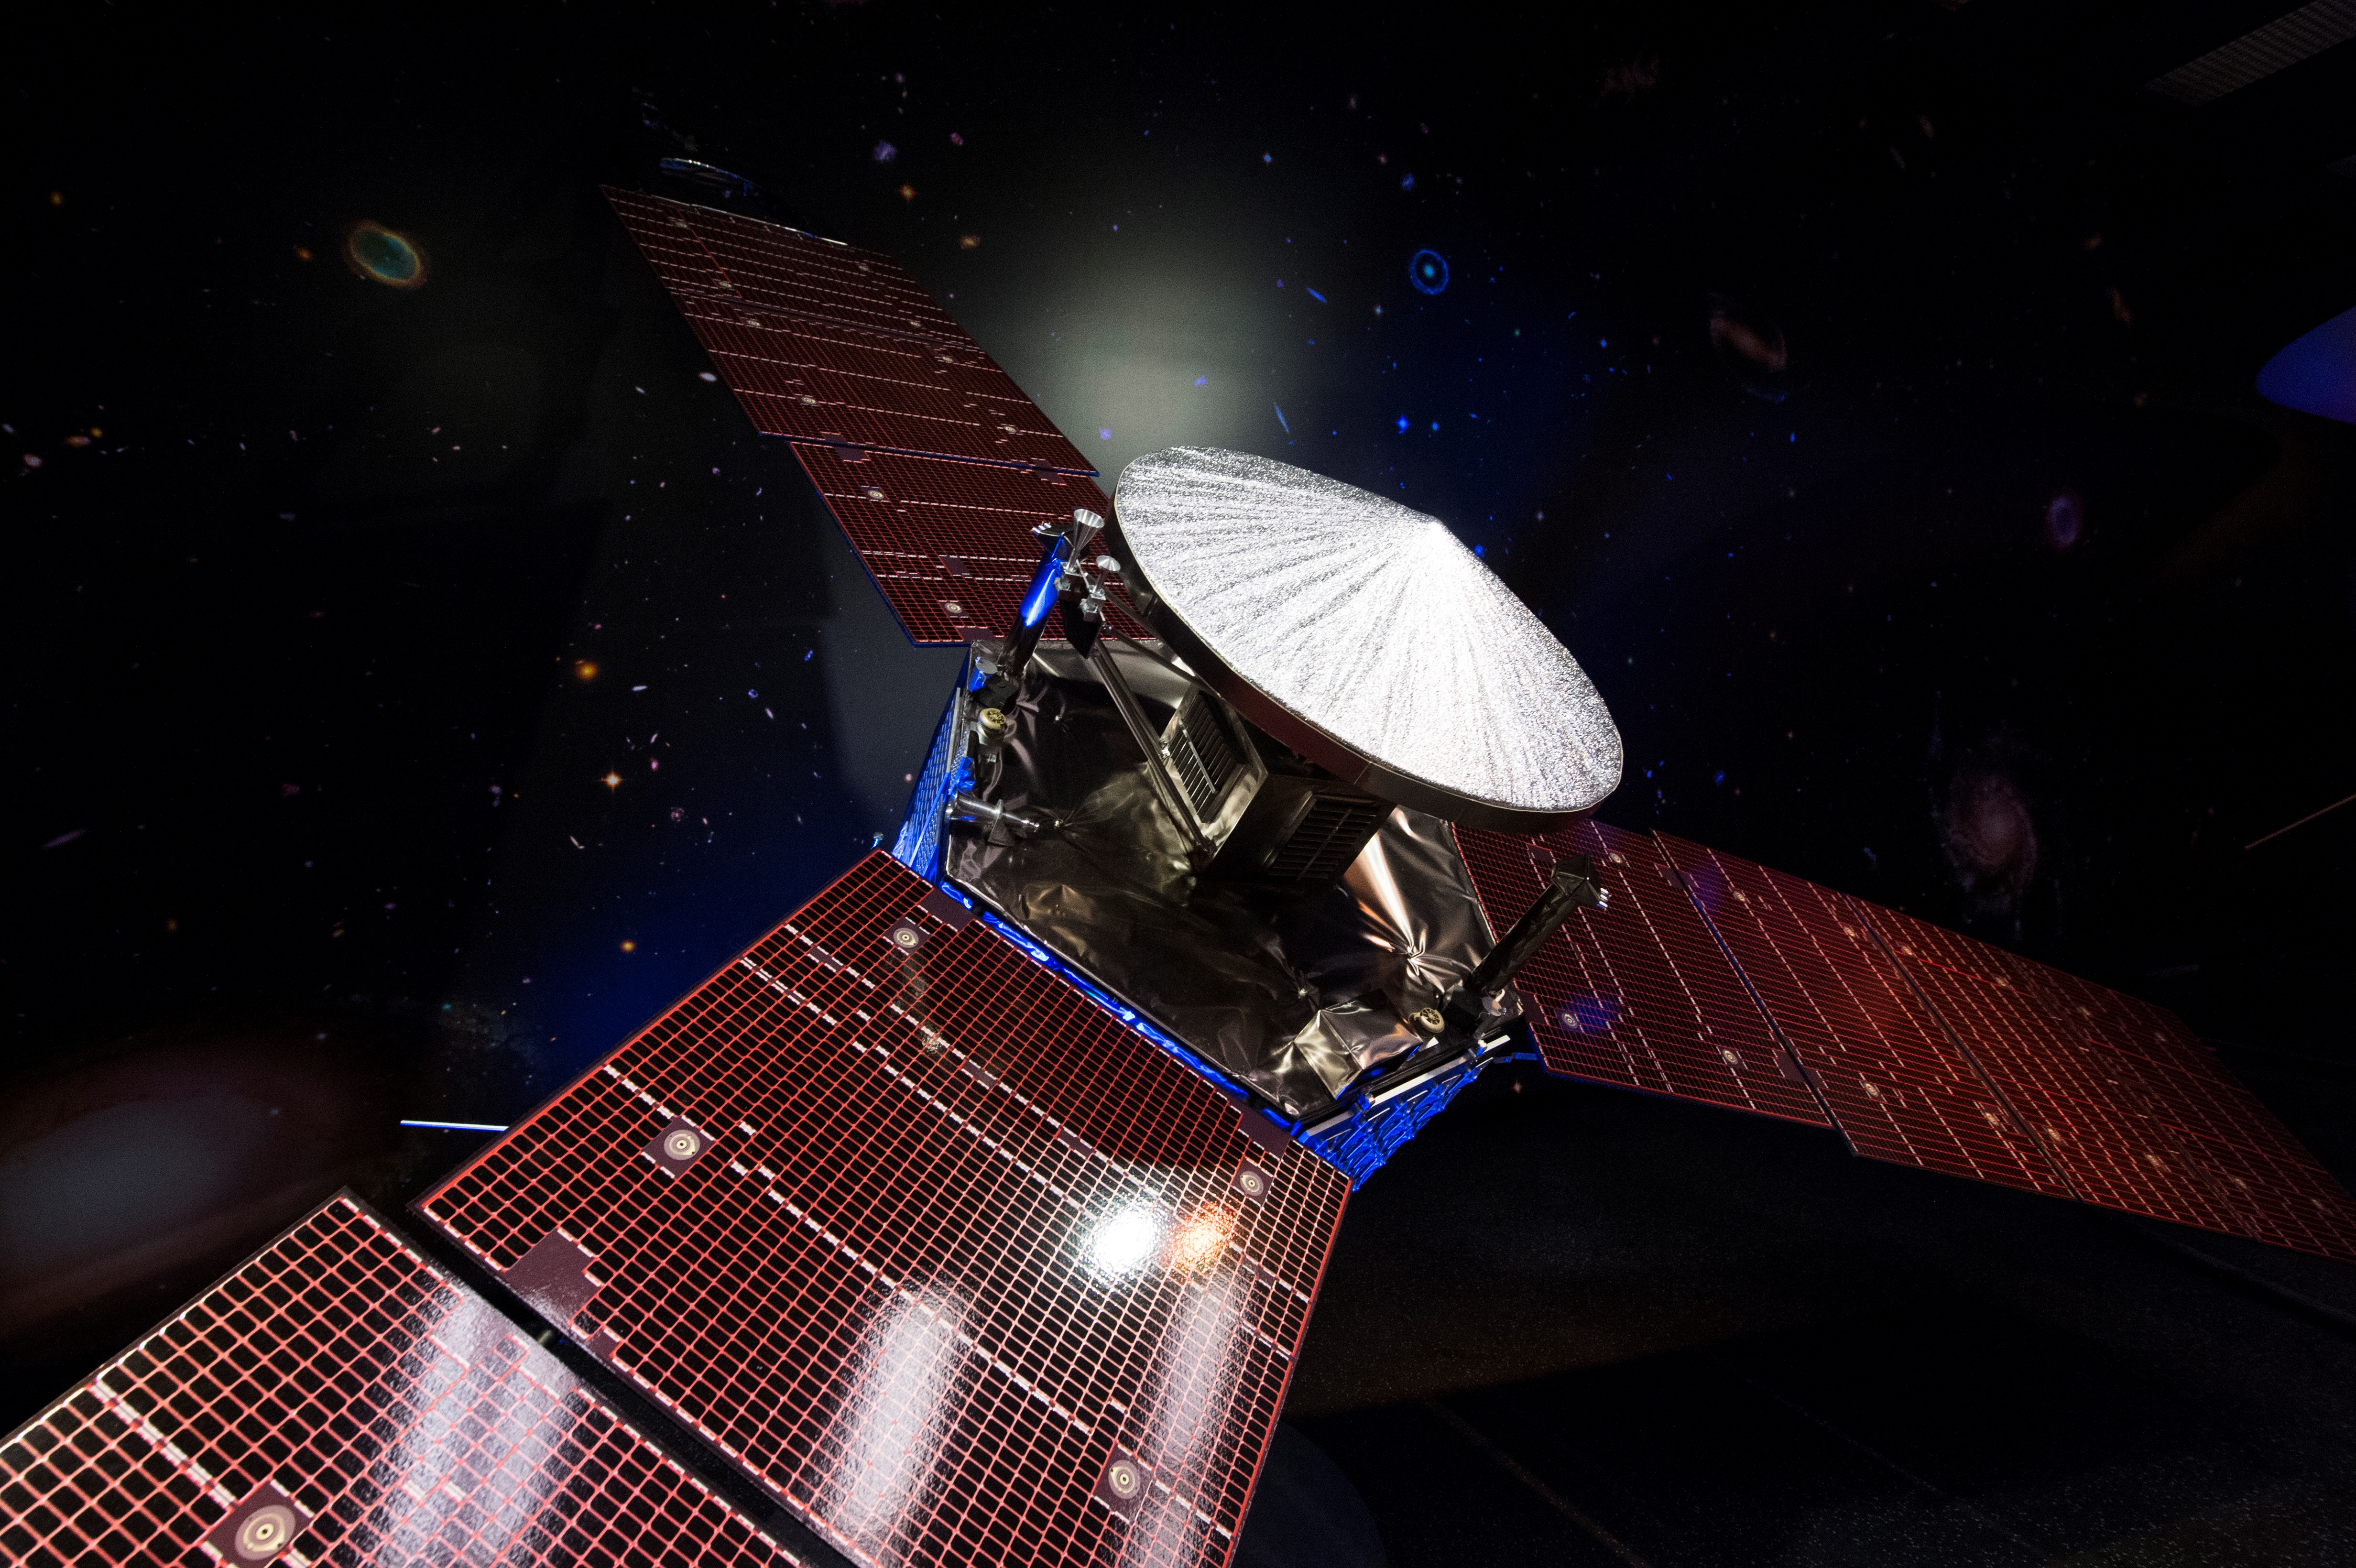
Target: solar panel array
x: 933, y: 1248
x: 1896, y: 1087
x: 929, y: 455
x: 337, y: 1399
x: 1644, y: 998
x: 705, y: 253
x: 1921, y: 1046
x: 950, y: 543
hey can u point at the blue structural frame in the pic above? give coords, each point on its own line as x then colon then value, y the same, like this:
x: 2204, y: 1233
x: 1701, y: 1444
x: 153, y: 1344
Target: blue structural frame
x: 918, y: 847
x: 1355, y: 1140
x: 1370, y: 1132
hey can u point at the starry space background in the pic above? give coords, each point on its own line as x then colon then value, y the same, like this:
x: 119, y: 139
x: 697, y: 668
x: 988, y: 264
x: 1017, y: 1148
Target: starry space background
x: 415, y: 689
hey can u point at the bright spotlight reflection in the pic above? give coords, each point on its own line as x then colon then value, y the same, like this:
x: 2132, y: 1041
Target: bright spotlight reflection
x: 896, y: 1418
x: 1198, y: 1378
x: 1123, y: 1240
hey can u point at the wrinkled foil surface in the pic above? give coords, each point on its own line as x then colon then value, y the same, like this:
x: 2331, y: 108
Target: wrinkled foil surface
x: 1372, y: 622
x: 1298, y: 995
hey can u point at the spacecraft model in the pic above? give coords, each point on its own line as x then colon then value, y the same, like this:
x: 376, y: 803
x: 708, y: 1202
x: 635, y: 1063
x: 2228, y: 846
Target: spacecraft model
x: 975, y: 1213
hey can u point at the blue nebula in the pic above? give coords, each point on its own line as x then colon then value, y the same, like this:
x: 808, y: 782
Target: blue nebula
x: 1427, y: 272
x: 2065, y: 519
x: 1402, y: 425
x: 382, y: 256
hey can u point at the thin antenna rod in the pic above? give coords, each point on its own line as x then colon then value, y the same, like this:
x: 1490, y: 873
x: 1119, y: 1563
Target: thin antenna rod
x: 2301, y: 823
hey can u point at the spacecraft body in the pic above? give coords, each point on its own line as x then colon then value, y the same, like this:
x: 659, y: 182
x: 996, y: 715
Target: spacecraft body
x: 975, y: 1213
x: 1211, y: 820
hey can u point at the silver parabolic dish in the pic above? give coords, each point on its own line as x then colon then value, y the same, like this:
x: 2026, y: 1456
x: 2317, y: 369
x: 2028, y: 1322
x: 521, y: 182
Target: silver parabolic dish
x: 1361, y: 634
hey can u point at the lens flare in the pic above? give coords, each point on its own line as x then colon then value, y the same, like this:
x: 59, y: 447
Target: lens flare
x: 1199, y: 1241
x: 1427, y: 272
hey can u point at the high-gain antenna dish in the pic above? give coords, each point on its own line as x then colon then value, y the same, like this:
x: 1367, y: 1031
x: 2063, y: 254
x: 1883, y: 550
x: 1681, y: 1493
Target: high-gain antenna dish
x: 1361, y: 634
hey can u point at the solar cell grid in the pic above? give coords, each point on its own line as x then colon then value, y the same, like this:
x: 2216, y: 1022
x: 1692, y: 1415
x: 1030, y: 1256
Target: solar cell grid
x: 698, y: 251
x: 1639, y: 993
x: 392, y: 1415
x: 843, y: 354
x: 821, y: 381
x: 1897, y: 1087
x: 949, y: 544
x: 960, y: 1240
x: 823, y: 341
x: 965, y: 375
x: 2110, y: 1154
x: 1927, y: 1048
x: 2189, y: 1112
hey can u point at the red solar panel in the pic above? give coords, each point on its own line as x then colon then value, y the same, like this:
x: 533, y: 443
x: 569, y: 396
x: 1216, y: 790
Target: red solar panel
x: 335, y: 1398
x: 2105, y: 1153
x: 948, y: 1258
x: 2159, y: 1069
x: 842, y: 352
x: 1927, y: 1048
x: 950, y: 543
x: 2125, y: 1105
x: 1897, y: 1087
x: 812, y: 380
x: 1639, y: 993
x: 698, y: 251
x: 821, y: 340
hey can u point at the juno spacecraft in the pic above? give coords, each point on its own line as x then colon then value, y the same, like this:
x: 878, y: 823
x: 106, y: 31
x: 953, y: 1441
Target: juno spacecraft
x: 976, y: 1212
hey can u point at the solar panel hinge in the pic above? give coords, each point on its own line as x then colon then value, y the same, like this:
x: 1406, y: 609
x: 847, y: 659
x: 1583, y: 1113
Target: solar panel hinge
x: 1261, y: 1128
x: 553, y: 1277
x: 946, y: 908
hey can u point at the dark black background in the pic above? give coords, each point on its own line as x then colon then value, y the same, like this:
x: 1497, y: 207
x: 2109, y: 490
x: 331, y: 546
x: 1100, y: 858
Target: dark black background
x: 308, y: 831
